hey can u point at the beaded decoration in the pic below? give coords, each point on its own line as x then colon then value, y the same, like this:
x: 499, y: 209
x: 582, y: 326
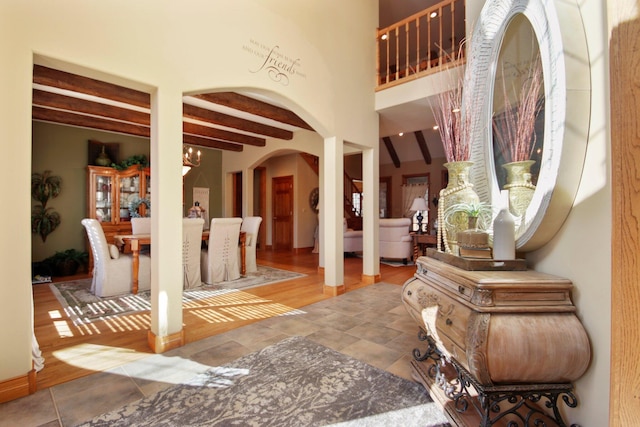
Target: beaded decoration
x: 442, y: 231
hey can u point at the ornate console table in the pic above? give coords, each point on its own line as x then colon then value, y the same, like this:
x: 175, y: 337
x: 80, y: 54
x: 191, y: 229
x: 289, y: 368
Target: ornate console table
x: 499, y: 345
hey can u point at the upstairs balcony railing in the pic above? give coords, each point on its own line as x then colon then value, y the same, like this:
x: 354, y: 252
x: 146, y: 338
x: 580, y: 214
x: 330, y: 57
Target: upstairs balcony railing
x: 421, y: 44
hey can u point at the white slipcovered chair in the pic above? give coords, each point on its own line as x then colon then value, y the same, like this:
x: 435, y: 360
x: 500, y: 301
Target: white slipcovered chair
x: 112, y: 273
x: 191, y: 246
x: 141, y: 225
x: 352, y: 238
x: 220, y: 262
x: 395, y: 240
x: 251, y: 226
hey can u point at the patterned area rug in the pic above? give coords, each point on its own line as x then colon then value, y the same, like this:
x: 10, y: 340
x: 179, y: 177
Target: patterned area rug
x: 295, y: 382
x: 82, y: 306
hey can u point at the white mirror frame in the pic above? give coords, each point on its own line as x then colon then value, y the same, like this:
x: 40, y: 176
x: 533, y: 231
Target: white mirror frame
x: 565, y: 67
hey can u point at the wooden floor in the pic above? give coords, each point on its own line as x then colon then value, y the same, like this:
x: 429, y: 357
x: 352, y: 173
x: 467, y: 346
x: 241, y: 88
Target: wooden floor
x: 72, y: 352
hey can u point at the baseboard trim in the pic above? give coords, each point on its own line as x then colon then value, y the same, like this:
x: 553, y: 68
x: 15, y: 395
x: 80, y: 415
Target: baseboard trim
x: 169, y: 342
x: 333, y: 291
x: 15, y: 388
x: 368, y: 279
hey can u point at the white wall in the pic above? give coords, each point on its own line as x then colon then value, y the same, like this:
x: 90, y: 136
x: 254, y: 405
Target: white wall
x: 581, y: 251
x: 167, y: 49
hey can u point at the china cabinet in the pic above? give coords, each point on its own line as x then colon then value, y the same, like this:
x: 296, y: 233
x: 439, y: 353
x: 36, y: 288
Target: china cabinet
x: 114, y: 196
x: 501, y: 341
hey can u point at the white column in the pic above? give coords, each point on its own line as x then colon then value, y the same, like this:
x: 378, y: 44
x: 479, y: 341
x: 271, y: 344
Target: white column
x: 166, y: 219
x: 371, y: 208
x: 333, y: 208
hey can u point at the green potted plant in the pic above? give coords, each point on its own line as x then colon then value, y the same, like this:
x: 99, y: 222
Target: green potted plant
x: 66, y: 263
x: 138, y: 159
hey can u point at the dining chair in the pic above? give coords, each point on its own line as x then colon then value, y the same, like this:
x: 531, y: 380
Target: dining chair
x: 191, y: 244
x: 251, y: 226
x: 219, y: 262
x: 112, y: 269
x: 141, y: 225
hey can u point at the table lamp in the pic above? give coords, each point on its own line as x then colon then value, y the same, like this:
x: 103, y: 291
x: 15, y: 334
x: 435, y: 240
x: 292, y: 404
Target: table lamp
x: 419, y: 205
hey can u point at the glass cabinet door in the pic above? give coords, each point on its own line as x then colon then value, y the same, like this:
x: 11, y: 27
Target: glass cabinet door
x: 103, y: 198
x: 129, y: 195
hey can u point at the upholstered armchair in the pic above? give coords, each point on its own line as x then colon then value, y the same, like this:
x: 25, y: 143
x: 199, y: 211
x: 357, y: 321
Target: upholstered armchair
x: 112, y: 269
x: 251, y: 226
x: 352, y: 238
x: 220, y: 261
x: 395, y: 240
x: 191, y: 246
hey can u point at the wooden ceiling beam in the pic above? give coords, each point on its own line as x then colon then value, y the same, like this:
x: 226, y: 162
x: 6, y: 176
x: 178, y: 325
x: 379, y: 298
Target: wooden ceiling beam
x: 215, y: 117
x: 209, y: 132
x: 210, y: 143
x: 91, y: 122
x: 392, y: 151
x: 253, y: 106
x: 75, y: 83
x: 422, y: 143
x: 43, y: 98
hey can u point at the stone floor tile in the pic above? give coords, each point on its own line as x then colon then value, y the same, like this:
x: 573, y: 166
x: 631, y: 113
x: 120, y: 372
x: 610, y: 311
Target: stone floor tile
x: 95, y: 394
x: 34, y: 410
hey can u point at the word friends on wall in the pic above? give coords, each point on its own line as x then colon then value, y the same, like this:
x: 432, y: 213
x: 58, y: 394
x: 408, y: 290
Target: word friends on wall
x: 278, y: 66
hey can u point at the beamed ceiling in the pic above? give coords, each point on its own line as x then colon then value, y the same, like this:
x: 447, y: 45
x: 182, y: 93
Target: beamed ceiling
x: 218, y: 120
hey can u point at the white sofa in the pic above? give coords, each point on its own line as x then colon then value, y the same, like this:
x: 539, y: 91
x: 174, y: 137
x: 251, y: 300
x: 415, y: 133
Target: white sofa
x: 395, y: 240
x: 352, y: 238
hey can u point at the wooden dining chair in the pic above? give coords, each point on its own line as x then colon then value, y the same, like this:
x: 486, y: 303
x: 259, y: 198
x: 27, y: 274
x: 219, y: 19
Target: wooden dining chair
x: 220, y: 261
x: 251, y: 226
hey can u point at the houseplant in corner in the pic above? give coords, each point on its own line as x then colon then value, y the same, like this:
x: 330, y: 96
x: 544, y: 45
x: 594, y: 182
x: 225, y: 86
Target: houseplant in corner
x: 66, y: 263
x: 454, y: 125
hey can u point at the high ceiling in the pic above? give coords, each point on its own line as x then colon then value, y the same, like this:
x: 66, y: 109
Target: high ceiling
x: 221, y: 120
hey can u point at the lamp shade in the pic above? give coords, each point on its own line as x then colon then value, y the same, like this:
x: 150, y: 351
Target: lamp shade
x: 419, y: 204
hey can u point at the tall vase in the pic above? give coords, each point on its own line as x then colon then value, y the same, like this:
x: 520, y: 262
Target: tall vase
x: 458, y: 190
x: 519, y: 185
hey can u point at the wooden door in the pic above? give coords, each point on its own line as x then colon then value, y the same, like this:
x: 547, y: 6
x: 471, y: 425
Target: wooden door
x: 260, y: 203
x: 237, y: 195
x: 282, y: 190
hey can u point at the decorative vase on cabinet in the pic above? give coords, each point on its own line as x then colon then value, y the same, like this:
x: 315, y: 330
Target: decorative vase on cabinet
x: 458, y: 191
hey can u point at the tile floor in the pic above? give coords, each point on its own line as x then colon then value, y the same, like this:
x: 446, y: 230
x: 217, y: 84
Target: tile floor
x: 370, y: 324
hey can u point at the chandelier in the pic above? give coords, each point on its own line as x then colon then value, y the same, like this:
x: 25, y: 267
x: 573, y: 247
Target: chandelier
x: 188, y: 160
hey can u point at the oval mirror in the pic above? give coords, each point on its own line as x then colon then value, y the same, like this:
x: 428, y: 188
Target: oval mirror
x: 518, y: 115
x: 562, y: 138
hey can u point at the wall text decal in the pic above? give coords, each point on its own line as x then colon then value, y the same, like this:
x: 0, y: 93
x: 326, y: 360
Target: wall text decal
x: 279, y: 67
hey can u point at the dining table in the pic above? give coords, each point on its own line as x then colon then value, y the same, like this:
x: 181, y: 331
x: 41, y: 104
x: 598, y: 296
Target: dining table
x: 136, y: 241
